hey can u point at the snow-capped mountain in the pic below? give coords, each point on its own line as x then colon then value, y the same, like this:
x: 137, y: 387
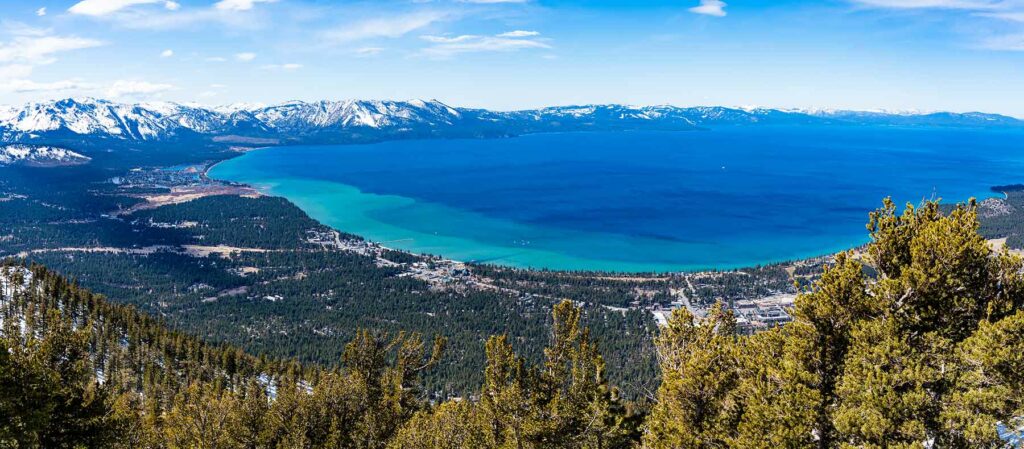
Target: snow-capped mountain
x: 39, y: 156
x: 975, y: 119
x: 360, y: 120
x: 157, y: 121
x: 302, y: 117
x: 104, y: 118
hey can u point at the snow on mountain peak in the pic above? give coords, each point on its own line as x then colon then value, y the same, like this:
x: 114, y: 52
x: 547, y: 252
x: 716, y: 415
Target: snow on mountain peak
x: 155, y: 121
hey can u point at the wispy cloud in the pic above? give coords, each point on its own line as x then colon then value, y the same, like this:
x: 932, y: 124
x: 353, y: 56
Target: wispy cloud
x: 41, y: 49
x: 12, y: 28
x: 384, y: 27
x: 1011, y: 16
x: 41, y: 12
x: 519, y: 33
x: 122, y: 88
x: 245, y: 56
x: 289, y: 67
x: 23, y: 86
x: 239, y: 5
x: 445, y: 46
x: 30, y: 47
x: 998, y: 22
x: 938, y: 4
x: 1009, y: 42
x: 366, y: 52
x: 15, y: 71
x: 105, y: 7
x: 715, y: 8
x: 167, y: 53
x: 135, y: 14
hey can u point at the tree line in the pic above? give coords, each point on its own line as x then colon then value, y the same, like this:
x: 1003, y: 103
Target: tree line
x: 915, y: 341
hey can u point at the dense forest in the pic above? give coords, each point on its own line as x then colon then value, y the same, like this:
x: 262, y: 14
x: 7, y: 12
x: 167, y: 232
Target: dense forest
x: 915, y: 341
x: 290, y: 297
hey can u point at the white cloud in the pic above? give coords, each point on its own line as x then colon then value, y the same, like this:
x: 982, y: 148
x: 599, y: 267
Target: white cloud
x: 519, y: 33
x: 286, y: 67
x: 714, y: 8
x: 215, y: 59
x: 468, y: 43
x: 104, y: 7
x: 451, y: 40
x: 22, y: 29
x: 21, y: 86
x: 1010, y: 42
x: 366, y: 52
x: 139, y: 88
x: 30, y: 47
x: 390, y: 27
x: 1014, y: 16
x: 229, y: 13
x: 40, y: 49
x: 937, y: 4
x: 1001, y: 19
x: 167, y: 53
x: 239, y: 5
x: 41, y: 12
x: 245, y: 56
x: 15, y: 71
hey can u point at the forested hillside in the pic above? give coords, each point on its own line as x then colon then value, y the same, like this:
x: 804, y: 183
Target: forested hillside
x: 927, y: 351
x: 261, y: 274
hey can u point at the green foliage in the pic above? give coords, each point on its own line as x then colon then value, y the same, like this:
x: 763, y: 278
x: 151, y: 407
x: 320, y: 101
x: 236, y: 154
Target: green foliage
x: 163, y: 389
x: 699, y: 373
x: 928, y: 351
x: 989, y: 382
x: 921, y: 353
x: 48, y: 396
x: 319, y: 296
x: 566, y: 402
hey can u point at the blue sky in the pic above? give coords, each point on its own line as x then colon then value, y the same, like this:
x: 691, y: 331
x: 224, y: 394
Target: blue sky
x: 959, y: 55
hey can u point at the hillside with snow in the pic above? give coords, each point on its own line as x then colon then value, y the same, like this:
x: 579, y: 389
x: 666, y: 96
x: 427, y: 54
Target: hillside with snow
x: 361, y: 120
x: 39, y: 156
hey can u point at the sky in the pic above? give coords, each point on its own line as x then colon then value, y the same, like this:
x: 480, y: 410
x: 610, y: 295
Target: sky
x: 905, y: 55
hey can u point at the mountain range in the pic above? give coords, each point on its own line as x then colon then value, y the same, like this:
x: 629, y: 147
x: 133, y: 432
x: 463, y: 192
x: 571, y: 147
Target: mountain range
x: 363, y: 120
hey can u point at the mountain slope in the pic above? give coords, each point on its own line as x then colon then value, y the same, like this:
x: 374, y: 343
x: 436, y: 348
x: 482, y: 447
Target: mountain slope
x: 39, y: 156
x: 340, y: 121
x: 77, y: 371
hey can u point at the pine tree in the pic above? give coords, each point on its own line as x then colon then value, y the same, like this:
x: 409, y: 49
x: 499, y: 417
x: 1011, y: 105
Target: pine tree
x: 695, y: 407
x: 989, y: 386
x: 452, y: 425
x: 823, y: 321
x: 200, y: 419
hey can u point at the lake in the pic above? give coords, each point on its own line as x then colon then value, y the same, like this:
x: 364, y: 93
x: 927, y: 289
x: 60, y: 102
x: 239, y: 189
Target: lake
x: 633, y: 201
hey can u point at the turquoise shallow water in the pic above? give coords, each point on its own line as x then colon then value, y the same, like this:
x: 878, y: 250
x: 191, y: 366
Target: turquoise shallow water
x: 632, y: 201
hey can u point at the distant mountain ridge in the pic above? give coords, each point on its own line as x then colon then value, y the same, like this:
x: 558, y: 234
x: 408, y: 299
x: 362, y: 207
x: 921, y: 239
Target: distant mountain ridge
x: 39, y: 156
x: 360, y: 120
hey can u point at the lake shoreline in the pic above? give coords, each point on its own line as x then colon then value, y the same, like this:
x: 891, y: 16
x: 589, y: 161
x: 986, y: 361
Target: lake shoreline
x: 390, y: 212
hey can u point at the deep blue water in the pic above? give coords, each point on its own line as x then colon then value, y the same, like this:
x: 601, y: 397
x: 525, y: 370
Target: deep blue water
x: 634, y: 201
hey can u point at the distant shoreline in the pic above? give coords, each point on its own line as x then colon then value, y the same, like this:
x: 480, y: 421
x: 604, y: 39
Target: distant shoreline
x: 328, y: 221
